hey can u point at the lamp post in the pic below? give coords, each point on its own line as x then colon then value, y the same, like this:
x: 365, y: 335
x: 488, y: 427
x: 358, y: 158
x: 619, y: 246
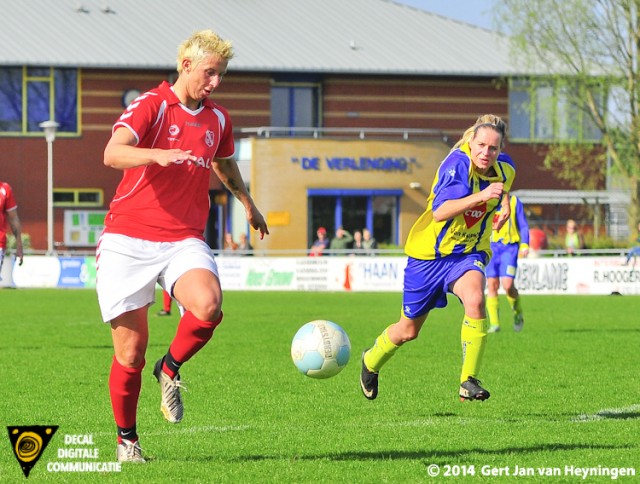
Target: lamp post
x: 49, y: 128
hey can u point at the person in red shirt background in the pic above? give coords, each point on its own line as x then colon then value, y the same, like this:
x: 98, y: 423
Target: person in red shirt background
x: 166, y: 142
x: 320, y: 244
x: 9, y: 216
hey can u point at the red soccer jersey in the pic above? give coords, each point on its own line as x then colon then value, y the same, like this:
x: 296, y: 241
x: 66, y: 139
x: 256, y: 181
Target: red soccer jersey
x: 166, y: 204
x: 7, y: 203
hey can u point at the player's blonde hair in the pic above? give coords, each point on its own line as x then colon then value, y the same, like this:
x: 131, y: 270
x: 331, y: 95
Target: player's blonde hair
x: 202, y: 44
x: 486, y: 120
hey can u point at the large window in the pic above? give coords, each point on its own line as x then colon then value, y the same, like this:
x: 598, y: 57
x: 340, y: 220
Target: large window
x: 78, y: 197
x: 29, y: 96
x: 355, y: 209
x: 295, y: 104
x: 547, y: 112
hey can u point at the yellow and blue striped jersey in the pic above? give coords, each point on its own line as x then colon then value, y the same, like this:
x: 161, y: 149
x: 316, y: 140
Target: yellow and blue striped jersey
x: 516, y: 229
x: 468, y: 232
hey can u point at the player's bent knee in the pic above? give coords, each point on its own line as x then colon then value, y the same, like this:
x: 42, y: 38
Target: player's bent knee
x: 474, y: 302
x: 130, y: 359
x: 209, y: 315
x: 407, y: 333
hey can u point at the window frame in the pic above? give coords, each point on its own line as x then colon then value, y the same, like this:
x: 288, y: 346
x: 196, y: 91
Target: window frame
x: 369, y: 195
x: 551, y: 108
x: 293, y: 84
x: 50, y: 77
x: 77, y: 192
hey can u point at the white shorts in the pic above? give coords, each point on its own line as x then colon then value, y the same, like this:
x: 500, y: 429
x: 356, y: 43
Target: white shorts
x: 128, y: 269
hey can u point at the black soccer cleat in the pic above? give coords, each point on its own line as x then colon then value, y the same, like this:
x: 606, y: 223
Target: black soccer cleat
x: 471, y: 390
x: 368, y: 381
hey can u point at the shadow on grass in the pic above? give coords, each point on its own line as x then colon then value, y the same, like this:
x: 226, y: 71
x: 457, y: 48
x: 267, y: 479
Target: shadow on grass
x: 601, y: 330
x: 430, y: 455
x: 75, y: 347
x: 620, y: 416
x: 628, y: 413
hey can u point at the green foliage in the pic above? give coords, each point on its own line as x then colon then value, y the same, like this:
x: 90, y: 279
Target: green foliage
x: 398, y: 248
x: 11, y: 241
x: 556, y: 242
x: 560, y: 391
x: 583, y: 165
x: 585, y: 52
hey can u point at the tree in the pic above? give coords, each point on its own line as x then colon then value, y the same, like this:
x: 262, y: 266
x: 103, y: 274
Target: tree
x: 587, y: 54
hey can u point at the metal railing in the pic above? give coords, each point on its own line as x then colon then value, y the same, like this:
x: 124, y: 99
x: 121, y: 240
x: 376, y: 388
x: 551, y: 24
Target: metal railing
x: 361, y: 133
x: 397, y: 252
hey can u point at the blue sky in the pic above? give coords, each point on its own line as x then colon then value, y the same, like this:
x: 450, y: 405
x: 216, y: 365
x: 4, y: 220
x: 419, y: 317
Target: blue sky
x: 476, y: 12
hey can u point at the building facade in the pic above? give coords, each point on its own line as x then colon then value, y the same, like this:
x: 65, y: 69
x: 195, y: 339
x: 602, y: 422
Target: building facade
x: 338, y: 131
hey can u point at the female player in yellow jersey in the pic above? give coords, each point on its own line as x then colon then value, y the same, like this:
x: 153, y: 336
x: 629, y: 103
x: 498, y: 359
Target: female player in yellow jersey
x: 448, y: 248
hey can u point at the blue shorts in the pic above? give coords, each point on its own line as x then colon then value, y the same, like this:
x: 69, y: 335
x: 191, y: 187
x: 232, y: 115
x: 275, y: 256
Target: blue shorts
x: 504, y: 261
x: 426, y: 282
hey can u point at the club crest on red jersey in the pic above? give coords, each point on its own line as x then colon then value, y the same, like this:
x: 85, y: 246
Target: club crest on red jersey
x: 209, y: 138
x: 475, y: 214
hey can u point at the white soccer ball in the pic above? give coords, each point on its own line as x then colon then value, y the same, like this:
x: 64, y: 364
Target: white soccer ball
x: 320, y: 349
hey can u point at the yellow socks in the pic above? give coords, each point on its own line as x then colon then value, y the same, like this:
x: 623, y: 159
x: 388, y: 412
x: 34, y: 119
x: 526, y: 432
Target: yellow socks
x: 380, y: 352
x: 515, y: 304
x: 473, y: 337
x: 493, y: 311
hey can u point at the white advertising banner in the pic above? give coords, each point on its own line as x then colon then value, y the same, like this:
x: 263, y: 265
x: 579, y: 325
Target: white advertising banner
x: 577, y: 275
x: 553, y: 275
x: 37, y: 271
x: 556, y: 275
x: 311, y: 273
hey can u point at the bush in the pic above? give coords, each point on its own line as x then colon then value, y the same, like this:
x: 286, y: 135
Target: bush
x: 556, y: 242
x: 11, y: 242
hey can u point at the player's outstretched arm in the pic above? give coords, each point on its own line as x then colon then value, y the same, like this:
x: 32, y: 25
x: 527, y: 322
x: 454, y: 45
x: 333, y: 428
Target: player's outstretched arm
x: 121, y: 152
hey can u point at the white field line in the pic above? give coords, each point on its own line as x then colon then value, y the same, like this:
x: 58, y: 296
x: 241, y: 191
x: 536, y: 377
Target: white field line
x: 607, y: 413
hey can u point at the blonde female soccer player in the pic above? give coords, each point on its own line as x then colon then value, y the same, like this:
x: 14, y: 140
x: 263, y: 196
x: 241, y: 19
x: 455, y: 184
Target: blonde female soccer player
x: 448, y: 248
x: 166, y: 142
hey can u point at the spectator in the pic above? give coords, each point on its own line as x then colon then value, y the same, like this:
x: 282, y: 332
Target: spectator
x: 243, y: 244
x: 341, y: 241
x: 229, y: 244
x: 368, y: 242
x: 320, y: 244
x: 573, y: 239
x: 537, y: 241
x: 358, y: 247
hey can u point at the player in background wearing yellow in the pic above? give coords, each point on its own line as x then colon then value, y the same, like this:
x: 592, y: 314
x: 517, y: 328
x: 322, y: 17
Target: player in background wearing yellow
x: 511, y: 241
x: 448, y: 248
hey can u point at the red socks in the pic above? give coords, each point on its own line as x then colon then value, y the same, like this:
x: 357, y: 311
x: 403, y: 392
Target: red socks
x: 166, y: 301
x: 124, y: 388
x: 191, y: 336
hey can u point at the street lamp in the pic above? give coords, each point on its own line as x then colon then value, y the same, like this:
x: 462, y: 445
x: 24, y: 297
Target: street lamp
x: 49, y: 128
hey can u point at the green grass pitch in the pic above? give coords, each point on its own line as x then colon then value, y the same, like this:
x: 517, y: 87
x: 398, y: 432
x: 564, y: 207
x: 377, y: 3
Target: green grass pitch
x: 565, y: 392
